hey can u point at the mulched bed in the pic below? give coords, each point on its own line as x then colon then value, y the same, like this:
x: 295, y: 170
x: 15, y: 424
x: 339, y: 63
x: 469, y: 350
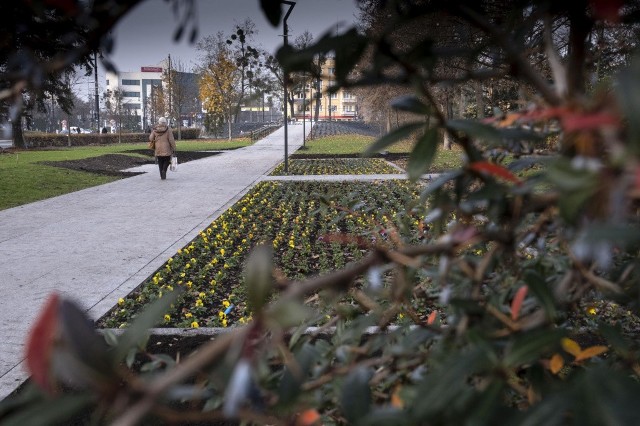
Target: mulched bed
x: 330, y: 128
x: 114, y: 164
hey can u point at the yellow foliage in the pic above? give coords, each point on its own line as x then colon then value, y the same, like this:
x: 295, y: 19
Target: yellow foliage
x: 556, y: 363
x: 218, y: 84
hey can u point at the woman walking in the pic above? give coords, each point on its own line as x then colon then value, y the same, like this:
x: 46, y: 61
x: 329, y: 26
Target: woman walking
x: 161, y: 139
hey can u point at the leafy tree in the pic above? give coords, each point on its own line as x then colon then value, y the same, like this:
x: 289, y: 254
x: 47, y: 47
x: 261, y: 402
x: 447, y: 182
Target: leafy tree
x: 113, y: 103
x: 219, y: 81
x: 181, y: 89
x: 247, y: 58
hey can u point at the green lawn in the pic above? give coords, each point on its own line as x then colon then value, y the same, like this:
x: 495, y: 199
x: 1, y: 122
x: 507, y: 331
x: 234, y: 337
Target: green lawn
x: 348, y: 144
x: 356, y: 144
x: 23, y: 180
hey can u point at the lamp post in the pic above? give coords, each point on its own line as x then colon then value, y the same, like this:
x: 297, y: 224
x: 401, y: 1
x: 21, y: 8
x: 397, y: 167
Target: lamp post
x: 95, y: 79
x: 291, y: 5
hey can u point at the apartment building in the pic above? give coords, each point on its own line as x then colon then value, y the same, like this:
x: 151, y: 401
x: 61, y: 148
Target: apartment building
x: 138, y: 89
x: 339, y: 106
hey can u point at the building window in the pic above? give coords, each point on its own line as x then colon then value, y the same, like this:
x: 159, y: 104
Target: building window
x: 131, y: 94
x: 334, y: 96
x: 107, y: 82
x: 347, y: 95
x: 332, y: 71
x: 131, y: 82
x: 131, y: 106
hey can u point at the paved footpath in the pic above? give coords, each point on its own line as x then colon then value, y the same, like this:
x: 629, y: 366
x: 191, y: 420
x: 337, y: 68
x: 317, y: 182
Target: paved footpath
x: 98, y: 244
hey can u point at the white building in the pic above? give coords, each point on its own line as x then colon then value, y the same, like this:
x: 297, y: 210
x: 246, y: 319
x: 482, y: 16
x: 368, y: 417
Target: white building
x: 136, y: 89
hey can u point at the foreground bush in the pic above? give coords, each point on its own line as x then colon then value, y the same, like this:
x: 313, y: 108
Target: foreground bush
x: 533, y: 279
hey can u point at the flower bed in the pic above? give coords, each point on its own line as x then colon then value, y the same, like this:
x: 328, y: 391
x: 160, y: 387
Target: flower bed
x: 337, y: 166
x: 307, y: 235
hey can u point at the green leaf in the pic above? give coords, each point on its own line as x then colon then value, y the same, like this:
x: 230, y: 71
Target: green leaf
x: 139, y: 330
x: 614, y: 336
x: 485, y: 407
x: 446, y: 386
x: 355, y: 397
x: 621, y: 234
x: 567, y: 178
x: 476, y: 129
x: 608, y: 398
x: 422, y: 155
x: 529, y: 346
x: 83, y: 340
x: 289, y: 313
x: 293, y: 377
x: 347, y: 48
x: 410, y: 103
x: 258, y: 277
x: 628, y: 93
x: 437, y: 183
x: 541, y: 291
x: 386, y: 416
x: 50, y: 411
x: 393, y: 136
x: 551, y: 411
x: 272, y: 10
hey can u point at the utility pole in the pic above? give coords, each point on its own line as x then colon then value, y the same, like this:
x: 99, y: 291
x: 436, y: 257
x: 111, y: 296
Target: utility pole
x: 95, y: 79
x: 304, y: 106
x: 170, y: 109
x: 291, y: 5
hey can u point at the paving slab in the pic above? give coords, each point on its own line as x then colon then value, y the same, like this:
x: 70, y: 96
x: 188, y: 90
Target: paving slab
x: 98, y: 244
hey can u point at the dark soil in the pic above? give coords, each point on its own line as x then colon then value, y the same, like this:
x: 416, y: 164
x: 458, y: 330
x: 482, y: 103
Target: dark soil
x: 114, y: 164
x: 331, y: 128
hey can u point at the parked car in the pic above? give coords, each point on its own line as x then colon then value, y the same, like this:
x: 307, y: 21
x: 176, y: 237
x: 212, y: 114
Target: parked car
x: 75, y: 130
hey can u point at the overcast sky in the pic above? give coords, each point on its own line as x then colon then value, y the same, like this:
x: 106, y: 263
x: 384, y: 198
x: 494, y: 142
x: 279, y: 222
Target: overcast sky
x: 145, y: 36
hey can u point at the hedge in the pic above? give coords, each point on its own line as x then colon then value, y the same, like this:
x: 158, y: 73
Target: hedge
x: 45, y: 140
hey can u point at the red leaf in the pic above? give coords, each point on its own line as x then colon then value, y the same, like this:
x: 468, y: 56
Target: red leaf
x: 608, y: 10
x: 308, y: 418
x: 544, y: 114
x: 432, y: 317
x: 516, y: 304
x: 40, y: 344
x: 494, y: 170
x: 573, y: 122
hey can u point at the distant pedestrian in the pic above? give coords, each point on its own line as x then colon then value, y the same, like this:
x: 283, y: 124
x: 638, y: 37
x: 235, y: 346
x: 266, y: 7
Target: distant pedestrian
x: 78, y: 130
x: 164, y: 145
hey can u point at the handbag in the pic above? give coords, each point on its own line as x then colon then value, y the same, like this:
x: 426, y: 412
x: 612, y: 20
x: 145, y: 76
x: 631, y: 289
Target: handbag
x: 174, y: 163
x: 152, y: 144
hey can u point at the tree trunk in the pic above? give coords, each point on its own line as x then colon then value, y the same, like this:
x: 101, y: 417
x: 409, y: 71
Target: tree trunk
x: 479, y: 100
x: 388, y: 121
x: 448, y: 110
x: 463, y: 104
x: 317, y: 112
x: 18, y: 136
x: 179, y: 123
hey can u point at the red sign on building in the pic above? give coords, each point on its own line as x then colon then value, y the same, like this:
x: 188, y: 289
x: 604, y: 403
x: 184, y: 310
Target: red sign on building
x: 150, y: 69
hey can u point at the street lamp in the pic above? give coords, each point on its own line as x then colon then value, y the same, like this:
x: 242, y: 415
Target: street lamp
x: 95, y: 75
x: 291, y: 5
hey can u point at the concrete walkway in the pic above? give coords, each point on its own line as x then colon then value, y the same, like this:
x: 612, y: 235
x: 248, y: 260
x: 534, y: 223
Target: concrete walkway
x: 98, y: 244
